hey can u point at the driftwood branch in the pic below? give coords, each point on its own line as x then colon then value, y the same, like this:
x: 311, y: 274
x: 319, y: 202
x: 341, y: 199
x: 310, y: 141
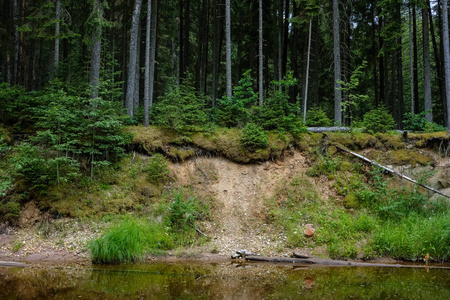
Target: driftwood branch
x: 391, y: 171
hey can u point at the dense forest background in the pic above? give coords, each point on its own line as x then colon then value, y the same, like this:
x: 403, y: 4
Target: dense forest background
x: 345, y: 57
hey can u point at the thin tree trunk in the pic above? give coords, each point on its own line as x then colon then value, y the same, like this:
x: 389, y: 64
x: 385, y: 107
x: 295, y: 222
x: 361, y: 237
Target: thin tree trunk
x: 137, y: 88
x: 216, y: 51
x: 133, y: 58
x: 305, y: 98
x: 285, y: 39
x: 16, y: 42
x: 96, y: 51
x: 280, y: 40
x: 400, y: 93
x: 446, y: 57
x: 411, y: 60
x: 437, y: 59
x: 337, y: 65
x: 228, y: 47
x: 426, y: 65
x: 415, y: 62
x: 147, y: 64
x: 261, y: 58
x: 57, y: 32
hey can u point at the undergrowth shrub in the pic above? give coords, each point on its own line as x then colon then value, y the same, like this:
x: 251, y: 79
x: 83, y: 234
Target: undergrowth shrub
x: 316, y: 117
x: 418, y: 122
x: 185, y: 211
x: 254, y: 137
x: 378, y: 120
x: 180, y: 109
x: 157, y: 169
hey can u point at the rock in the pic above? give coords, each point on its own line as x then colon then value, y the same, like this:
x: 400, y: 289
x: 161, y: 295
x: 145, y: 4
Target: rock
x: 309, y: 231
x: 299, y: 254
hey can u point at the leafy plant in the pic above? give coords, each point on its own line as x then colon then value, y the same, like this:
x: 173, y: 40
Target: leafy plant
x: 418, y: 122
x: 254, y: 137
x: 378, y: 120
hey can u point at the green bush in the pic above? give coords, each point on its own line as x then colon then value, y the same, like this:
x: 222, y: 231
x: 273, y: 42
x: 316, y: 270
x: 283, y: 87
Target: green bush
x: 180, y: 109
x: 184, y: 212
x: 157, y: 169
x: 236, y: 112
x: 10, y: 211
x: 418, y: 122
x: 254, y: 137
x: 316, y: 117
x: 378, y: 120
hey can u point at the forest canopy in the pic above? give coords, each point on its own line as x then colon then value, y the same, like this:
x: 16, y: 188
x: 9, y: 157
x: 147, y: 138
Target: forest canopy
x: 341, y: 59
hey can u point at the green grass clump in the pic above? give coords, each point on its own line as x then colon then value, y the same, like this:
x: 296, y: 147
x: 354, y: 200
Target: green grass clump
x: 412, y: 237
x: 129, y: 241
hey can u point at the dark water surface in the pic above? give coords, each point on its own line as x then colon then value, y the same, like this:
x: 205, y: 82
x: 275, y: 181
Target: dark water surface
x: 222, y: 281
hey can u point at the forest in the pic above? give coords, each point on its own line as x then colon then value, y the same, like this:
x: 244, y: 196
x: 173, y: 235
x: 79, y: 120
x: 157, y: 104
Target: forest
x: 102, y: 101
x: 335, y: 59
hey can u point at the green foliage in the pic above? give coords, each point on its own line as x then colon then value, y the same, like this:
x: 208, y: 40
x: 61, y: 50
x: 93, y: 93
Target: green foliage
x: 15, y: 103
x: 38, y: 169
x: 324, y: 165
x: 316, y: 117
x: 414, y: 236
x: 254, y: 137
x: 89, y: 129
x: 184, y: 211
x: 378, y: 120
x: 129, y: 241
x: 353, y: 100
x: 157, y: 169
x: 236, y: 112
x: 181, y: 109
x: 10, y: 211
x: 418, y: 122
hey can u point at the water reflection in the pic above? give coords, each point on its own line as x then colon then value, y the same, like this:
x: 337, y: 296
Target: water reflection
x: 222, y: 281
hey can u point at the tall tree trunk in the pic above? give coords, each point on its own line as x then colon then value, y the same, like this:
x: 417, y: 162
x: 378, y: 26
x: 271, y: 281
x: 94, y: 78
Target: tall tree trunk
x: 337, y: 65
x: 133, y: 58
x: 294, y: 55
x: 260, y: 56
x: 285, y: 39
x: 400, y: 95
x: 446, y: 57
x: 228, y: 47
x: 57, y: 32
x: 16, y: 42
x: 280, y: 40
x: 305, y: 98
x: 374, y: 57
x: 96, y: 50
x: 415, y: 63
x: 437, y: 59
x: 426, y: 65
x: 137, y: 88
x: 216, y: 52
x: 381, y: 62
x: 411, y: 60
x: 147, y: 90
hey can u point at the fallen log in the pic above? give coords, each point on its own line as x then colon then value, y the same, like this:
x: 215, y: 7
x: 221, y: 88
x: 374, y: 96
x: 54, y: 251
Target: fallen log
x: 330, y: 262
x: 12, y: 264
x: 391, y: 171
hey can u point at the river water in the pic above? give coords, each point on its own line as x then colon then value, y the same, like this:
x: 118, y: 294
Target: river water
x: 225, y: 280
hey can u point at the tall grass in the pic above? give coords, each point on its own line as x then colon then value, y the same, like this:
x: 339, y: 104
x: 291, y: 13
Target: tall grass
x: 129, y: 241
